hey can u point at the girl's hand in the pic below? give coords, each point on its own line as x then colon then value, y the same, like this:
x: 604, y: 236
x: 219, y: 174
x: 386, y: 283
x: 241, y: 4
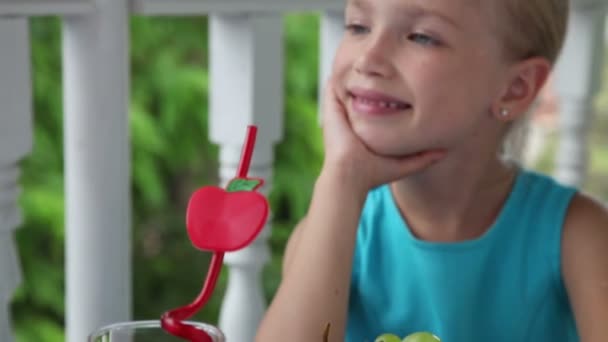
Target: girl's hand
x: 347, y: 156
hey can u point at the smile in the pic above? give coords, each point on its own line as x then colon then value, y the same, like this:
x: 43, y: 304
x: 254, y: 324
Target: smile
x: 375, y: 103
x: 383, y: 104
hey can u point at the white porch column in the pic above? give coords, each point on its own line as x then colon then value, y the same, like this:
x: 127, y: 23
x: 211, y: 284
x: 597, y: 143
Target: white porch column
x: 332, y: 30
x: 578, y: 77
x: 15, y: 143
x: 246, y: 69
x: 97, y: 152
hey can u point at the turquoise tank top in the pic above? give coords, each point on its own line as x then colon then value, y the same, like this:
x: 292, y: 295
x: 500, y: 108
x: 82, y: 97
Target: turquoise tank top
x: 504, y: 286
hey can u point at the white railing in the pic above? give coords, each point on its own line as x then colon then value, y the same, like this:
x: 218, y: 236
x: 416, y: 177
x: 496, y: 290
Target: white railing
x: 246, y: 87
x: 197, y: 7
x: 27, y: 8
x: 241, y: 47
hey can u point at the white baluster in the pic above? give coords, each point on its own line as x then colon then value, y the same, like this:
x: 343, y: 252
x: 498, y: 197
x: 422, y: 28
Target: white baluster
x: 15, y: 143
x: 244, y: 302
x: 578, y: 77
x: 332, y: 30
x: 246, y: 88
x: 97, y: 168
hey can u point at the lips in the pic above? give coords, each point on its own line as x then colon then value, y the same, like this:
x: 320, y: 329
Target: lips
x: 366, y: 101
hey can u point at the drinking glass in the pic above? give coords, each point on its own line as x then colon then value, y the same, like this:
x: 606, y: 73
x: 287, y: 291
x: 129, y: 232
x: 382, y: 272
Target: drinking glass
x: 148, y: 331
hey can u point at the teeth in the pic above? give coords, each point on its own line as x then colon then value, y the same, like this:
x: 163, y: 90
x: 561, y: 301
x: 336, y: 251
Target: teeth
x: 383, y: 104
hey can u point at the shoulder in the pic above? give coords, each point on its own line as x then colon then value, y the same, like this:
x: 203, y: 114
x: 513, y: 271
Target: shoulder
x: 585, y: 231
x: 585, y: 265
x: 586, y: 220
x: 543, y: 181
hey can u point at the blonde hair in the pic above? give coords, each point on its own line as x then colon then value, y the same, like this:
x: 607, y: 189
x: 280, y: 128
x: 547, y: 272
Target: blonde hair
x: 529, y: 28
x: 533, y: 28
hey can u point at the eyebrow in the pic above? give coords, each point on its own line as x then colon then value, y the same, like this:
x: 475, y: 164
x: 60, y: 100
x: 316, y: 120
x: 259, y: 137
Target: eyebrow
x: 411, y: 11
x: 359, y: 4
x: 419, y: 12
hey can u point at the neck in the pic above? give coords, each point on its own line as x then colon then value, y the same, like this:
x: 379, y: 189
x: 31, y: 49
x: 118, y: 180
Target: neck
x: 454, y: 200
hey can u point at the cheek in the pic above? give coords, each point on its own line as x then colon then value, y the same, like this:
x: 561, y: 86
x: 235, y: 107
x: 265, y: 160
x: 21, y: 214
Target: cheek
x: 458, y: 87
x: 341, y: 69
x: 343, y: 60
x: 437, y: 85
x: 451, y: 108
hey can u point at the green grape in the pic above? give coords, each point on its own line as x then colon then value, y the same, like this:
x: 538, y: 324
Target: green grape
x: 421, y: 337
x: 388, y: 338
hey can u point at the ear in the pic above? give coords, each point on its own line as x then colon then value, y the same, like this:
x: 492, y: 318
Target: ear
x: 524, y: 82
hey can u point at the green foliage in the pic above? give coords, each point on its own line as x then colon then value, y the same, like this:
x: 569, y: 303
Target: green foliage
x: 38, y: 304
x: 171, y: 157
x: 38, y: 328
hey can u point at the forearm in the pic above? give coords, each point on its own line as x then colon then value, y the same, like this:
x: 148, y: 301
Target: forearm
x: 315, y: 287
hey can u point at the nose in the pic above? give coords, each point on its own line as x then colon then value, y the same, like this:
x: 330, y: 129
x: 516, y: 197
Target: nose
x: 375, y: 60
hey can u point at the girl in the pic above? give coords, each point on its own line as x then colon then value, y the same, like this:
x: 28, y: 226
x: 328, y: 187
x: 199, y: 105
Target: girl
x: 416, y: 221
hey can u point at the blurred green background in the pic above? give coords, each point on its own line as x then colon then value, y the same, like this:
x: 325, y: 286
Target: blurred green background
x: 171, y: 156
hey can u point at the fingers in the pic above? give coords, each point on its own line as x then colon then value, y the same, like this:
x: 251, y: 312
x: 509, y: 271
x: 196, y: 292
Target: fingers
x: 334, y: 112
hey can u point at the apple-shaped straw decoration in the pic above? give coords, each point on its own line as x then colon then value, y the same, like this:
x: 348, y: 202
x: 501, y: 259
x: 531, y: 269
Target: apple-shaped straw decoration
x: 219, y: 221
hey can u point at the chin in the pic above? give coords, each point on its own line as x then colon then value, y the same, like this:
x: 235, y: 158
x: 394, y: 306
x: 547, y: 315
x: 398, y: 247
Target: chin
x: 388, y: 150
x: 383, y: 144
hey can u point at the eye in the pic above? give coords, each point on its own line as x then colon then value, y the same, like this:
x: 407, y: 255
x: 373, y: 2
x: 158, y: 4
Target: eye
x: 423, y: 39
x: 357, y: 29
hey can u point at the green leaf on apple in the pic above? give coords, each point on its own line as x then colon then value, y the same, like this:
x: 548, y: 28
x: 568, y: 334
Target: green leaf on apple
x: 243, y: 184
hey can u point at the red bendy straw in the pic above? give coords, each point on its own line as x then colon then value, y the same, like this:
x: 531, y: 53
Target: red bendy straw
x: 223, y: 240
x: 247, y: 152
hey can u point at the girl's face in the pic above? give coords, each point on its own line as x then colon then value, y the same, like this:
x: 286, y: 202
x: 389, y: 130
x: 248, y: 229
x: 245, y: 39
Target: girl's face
x: 420, y: 74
